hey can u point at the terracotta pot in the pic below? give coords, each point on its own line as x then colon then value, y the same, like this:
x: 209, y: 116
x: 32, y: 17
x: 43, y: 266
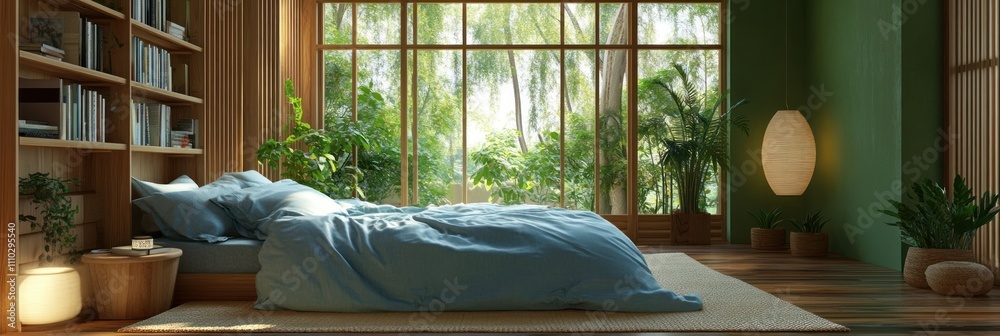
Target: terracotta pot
x: 690, y: 229
x: 767, y: 239
x: 810, y: 244
x: 918, y: 259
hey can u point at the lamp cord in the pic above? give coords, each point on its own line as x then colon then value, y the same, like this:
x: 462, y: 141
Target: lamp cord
x: 786, y: 55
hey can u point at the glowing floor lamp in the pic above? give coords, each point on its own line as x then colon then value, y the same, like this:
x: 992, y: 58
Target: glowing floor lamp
x: 48, y: 295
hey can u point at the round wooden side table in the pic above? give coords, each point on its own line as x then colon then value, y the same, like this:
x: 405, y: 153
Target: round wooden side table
x: 128, y: 287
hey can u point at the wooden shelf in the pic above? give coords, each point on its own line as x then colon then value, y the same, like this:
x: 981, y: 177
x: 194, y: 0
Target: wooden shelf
x: 84, y: 145
x: 168, y: 150
x: 66, y: 70
x: 162, y: 39
x: 92, y: 9
x: 161, y: 95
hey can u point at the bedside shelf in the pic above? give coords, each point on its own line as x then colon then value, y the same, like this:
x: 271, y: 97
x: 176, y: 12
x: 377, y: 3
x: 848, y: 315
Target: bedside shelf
x: 161, y: 95
x: 162, y: 39
x: 94, y: 9
x: 168, y: 150
x: 84, y: 145
x: 67, y: 71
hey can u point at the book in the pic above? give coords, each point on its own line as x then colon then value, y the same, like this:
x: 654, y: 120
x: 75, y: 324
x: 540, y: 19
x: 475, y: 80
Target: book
x: 128, y: 251
x: 40, y: 101
x: 71, y: 37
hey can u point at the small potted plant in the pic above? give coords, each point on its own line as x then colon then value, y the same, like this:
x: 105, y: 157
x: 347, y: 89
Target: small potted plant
x: 767, y: 235
x: 50, y: 294
x: 938, y: 228
x: 808, y: 240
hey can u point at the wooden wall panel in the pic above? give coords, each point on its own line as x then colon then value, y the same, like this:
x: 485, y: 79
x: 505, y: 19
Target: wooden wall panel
x: 224, y: 81
x: 972, y: 98
x: 8, y: 140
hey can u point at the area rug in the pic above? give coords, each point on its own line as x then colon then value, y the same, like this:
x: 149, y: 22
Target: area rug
x: 730, y: 305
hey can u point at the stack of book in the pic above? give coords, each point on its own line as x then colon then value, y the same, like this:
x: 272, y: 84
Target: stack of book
x: 67, y: 37
x: 184, y: 134
x: 152, y: 124
x: 151, y: 65
x: 37, y: 129
x: 151, y: 12
x: 176, y: 30
x: 52, y: 110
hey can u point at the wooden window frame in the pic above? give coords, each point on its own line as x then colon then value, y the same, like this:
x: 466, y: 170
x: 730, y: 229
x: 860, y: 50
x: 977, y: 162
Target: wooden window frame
x: 629, y: 222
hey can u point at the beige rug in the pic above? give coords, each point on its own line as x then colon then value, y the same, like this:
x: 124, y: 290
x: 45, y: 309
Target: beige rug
x: 730, y: 305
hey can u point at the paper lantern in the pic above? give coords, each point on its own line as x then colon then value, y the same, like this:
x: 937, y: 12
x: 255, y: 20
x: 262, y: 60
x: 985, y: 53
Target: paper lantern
x: 48, y: 295
x: 789, y: 153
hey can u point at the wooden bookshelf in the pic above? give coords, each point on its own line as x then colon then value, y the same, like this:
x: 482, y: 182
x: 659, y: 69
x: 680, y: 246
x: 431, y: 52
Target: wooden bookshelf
x: 140, y: 90
x: 162, y: 39
x: 84, y: 145
x: 103, y: 168
x: 168, y: 150
x: 92, y: 9
x: 65, y: 70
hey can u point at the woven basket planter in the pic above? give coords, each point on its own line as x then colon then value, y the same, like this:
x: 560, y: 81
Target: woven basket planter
x: 810, y: 244
x: 918, y: 259
x: 767, y: 239
x: 959, y: 278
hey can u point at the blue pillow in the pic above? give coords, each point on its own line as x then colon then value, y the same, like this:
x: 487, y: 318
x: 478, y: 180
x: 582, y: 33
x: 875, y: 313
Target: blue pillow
x: 144, y: 189
x: 252, y: 207
x: 190, y: 214
x: 250, y: 178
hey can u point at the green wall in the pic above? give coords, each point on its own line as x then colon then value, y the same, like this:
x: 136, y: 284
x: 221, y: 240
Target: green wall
x: 867, y: 76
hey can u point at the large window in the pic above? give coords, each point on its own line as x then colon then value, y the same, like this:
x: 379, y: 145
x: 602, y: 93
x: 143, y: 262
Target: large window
x: 537, y: 102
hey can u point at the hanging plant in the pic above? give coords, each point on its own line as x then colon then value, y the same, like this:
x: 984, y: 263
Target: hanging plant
x: 48, y: 197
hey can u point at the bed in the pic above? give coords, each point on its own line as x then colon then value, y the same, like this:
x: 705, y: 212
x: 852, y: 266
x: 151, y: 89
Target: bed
x: 317, y: 254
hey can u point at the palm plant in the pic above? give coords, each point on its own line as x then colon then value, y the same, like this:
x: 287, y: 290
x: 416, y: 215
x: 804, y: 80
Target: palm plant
x: 695, y: 140
x: 767, y: 219
x: 933, y: 221
x: 812, y: 223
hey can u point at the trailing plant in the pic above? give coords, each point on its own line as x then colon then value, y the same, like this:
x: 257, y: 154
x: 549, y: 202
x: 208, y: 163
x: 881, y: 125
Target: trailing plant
x: 767, y: 219
x: 935, y: 221
x: 812, y: 223
x: 319, y: 158
x: 696, y: 141
x: 48, y: 197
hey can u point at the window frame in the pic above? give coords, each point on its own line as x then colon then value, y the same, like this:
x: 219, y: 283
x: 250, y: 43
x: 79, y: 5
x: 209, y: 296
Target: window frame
x: 627, y: 222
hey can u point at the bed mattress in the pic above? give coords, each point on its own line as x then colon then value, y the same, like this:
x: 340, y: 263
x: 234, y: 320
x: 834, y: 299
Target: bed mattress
x: 236, y: 255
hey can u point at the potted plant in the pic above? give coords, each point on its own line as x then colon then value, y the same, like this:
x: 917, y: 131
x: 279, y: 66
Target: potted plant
x: 808, y: 239
x: 696, y: 138
x: 938, y: 228
x: 767, y: 235
x: 50, y: 294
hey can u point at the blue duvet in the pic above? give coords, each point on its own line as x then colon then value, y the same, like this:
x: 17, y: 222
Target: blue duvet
x: 456, y: 258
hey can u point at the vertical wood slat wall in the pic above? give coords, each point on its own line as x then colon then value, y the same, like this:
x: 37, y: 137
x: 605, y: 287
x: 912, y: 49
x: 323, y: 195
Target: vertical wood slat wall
x: 224, y: 80
x: 8, y: 140
x: 972, y: 103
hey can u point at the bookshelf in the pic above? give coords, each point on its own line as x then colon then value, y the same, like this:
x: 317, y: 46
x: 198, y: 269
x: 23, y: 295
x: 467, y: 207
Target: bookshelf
x: 103, y: 168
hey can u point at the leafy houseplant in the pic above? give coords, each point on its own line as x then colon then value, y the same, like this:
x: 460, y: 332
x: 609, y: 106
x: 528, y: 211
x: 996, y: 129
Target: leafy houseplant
x: 938, y: 228
x: 696, y: 141
x: 48, y: 197
x: 767, y: 235
x: 808, y: 239
x: 319, y: 158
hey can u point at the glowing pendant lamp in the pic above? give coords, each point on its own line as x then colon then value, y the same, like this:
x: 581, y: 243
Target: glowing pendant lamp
x: 789, y: 149
x: 789, y: 153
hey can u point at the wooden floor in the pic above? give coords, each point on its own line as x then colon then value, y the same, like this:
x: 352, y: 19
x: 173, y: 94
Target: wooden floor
x: 868, y: 299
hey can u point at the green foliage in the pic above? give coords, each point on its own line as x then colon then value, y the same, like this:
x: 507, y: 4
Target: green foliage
x: 320, y: 158
x: 767, y: 219
x: 48, y: 196
x: 694, y: 142
x: 934, y: 221
x: 812, y: 223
